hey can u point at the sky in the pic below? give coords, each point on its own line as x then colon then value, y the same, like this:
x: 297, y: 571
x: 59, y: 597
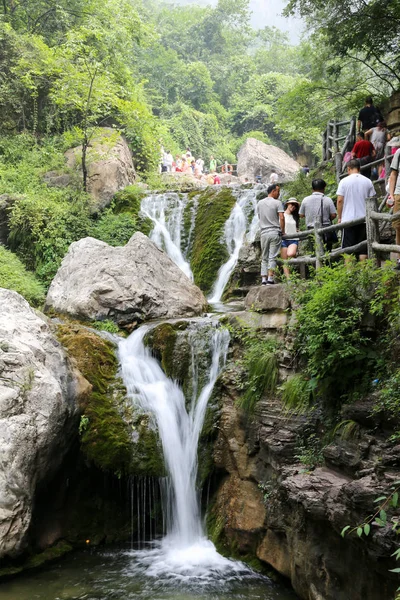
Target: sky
x: 265, y: 12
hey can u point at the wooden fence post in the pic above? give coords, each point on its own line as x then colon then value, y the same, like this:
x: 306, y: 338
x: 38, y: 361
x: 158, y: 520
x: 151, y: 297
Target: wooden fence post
x: 388, y: 160
x: 338, y: 165
x: 327, y: 141
x: 372, y: 227
x: 319, y: 246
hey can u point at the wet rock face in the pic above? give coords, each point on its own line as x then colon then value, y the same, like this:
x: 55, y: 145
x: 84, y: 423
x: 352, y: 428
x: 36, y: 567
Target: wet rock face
x: 256, y: 158
x: 127, y: 284
x: 305, y: 508
x: 38, y: 413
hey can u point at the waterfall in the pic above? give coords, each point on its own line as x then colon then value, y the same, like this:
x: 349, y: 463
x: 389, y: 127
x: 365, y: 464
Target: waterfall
x: 243, y: 219
x: 184, y: 552
x: 167, y: 212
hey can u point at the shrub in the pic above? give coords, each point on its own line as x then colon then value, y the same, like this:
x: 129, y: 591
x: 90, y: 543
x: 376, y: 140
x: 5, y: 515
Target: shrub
x: 14, y: 276
x: 340, y: 311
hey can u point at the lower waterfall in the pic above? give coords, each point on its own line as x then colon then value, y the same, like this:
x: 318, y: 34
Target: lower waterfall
x: 185, y: 551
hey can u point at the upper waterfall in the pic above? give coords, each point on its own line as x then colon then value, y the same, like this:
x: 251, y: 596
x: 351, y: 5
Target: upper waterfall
x: 167, y: 212
x: 241, y: 225
x: 178, y: 427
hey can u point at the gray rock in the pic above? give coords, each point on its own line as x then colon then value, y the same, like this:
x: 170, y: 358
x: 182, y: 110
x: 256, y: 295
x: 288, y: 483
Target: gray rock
x: 109, y: 164
x: 56, y: 179
x: 268, y: 298
x: 256, y: 158
x: 38, y: 409
x: 130, y: 283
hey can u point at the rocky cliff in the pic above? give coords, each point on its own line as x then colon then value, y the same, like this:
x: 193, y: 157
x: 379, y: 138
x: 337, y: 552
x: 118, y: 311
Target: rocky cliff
x: 285, y: 497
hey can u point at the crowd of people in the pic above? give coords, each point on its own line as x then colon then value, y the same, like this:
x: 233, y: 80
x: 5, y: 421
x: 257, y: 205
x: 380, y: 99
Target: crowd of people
x: 371, y: 139
x: 187, y: 163
x: 277, y: 218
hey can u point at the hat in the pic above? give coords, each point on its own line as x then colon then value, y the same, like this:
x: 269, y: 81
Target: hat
x: 292, y: 201
x: 394, y: 142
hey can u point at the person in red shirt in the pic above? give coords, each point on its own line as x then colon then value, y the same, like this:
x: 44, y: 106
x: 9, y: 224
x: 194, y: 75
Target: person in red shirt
x: 362, y: 148
x: 216, y: 179
x: 364, y: 151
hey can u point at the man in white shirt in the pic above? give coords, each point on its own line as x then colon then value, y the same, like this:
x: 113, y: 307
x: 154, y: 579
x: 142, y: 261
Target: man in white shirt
x: 394, y: 187
x: 352, y: 192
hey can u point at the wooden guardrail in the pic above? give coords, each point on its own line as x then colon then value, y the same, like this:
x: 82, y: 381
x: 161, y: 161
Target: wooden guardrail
x: 371, y: 246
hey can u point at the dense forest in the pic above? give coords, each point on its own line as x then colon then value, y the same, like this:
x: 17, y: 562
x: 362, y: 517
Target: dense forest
x: 184, y: 74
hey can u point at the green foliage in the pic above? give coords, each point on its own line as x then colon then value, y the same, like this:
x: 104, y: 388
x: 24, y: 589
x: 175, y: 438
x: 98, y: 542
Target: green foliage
x: 115, y: 230
x: 262, y: 371
x: 209, y: 252
x: 106, y: 325
x: 309, y: 451
x: 333, y: 328
x: 297, y: 393
x: 14, y: 276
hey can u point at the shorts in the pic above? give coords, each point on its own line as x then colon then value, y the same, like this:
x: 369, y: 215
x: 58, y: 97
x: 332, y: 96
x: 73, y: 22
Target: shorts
x: 287, y: 243
x: 354, y: 235
x: 396, y: 208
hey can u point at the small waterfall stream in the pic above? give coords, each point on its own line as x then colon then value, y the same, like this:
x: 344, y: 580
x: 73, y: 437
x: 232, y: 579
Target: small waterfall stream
x: 184, y: 551
x: 242, y: 220
x: 167, y: 212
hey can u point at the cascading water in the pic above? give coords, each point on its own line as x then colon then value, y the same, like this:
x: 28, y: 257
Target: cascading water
x: 243, y: 219
x: 167, y: 212
x: 184, y: 552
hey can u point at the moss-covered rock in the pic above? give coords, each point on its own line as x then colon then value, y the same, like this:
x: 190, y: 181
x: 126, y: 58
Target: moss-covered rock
x: 171, y: 352
x: 36, y: 560
x: 115, y: 435
x: 105, y: 438
x: 209, y: 252
x: 129, y: 201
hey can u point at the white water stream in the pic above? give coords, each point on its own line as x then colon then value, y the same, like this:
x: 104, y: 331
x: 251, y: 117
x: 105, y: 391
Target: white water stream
x: 167, y: 213
x: 184, y: 552
x: 236, y: 228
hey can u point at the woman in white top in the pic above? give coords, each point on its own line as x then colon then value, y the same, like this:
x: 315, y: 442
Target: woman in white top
x: 289, y: 247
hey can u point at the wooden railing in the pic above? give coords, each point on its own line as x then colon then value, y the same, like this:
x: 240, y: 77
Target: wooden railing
x: 333, y: 136
x: 371, y: 246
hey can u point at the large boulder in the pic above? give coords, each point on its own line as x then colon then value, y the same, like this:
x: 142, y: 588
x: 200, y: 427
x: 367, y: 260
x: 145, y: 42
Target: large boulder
x: 109, y: 165
x: 38, y: 413
x: 127, y: 284
x: 256, y: 158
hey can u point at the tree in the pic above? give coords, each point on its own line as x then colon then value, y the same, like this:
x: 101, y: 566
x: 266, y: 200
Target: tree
x: 366, y: 32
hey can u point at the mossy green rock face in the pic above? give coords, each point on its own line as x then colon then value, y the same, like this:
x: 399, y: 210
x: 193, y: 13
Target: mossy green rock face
x: 114, y: 435
x: 209, y: 252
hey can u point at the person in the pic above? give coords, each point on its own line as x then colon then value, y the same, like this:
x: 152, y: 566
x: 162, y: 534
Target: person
x: 318, y: 208
x: 378, y: 137
x: 273, y: 178
x: 216, y: 179
x: 364, y: 151
x: 289, y: 247
x: 306, y: 169
x: 178, y: 164
x: 200, y: 165
x: 394, y: 188
x: 193, y: 165
x: 351, y: 195
x: 227, y: 168
x: 272, y: 224
x: 167, y: 161
x: 368, y: 116
x: 185, y: 165
x: 213, y: 164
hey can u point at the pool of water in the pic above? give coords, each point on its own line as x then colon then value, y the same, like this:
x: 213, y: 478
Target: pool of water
x: 118, y: 574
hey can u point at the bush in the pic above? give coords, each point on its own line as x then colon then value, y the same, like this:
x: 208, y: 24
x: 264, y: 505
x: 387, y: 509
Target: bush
x: 340, y: 311
x: 14, y: 276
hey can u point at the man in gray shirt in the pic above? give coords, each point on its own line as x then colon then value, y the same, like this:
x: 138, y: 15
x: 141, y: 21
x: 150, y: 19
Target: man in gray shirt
x: 394, y: 188
x: 272, y: 223
x: 317, y: 205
